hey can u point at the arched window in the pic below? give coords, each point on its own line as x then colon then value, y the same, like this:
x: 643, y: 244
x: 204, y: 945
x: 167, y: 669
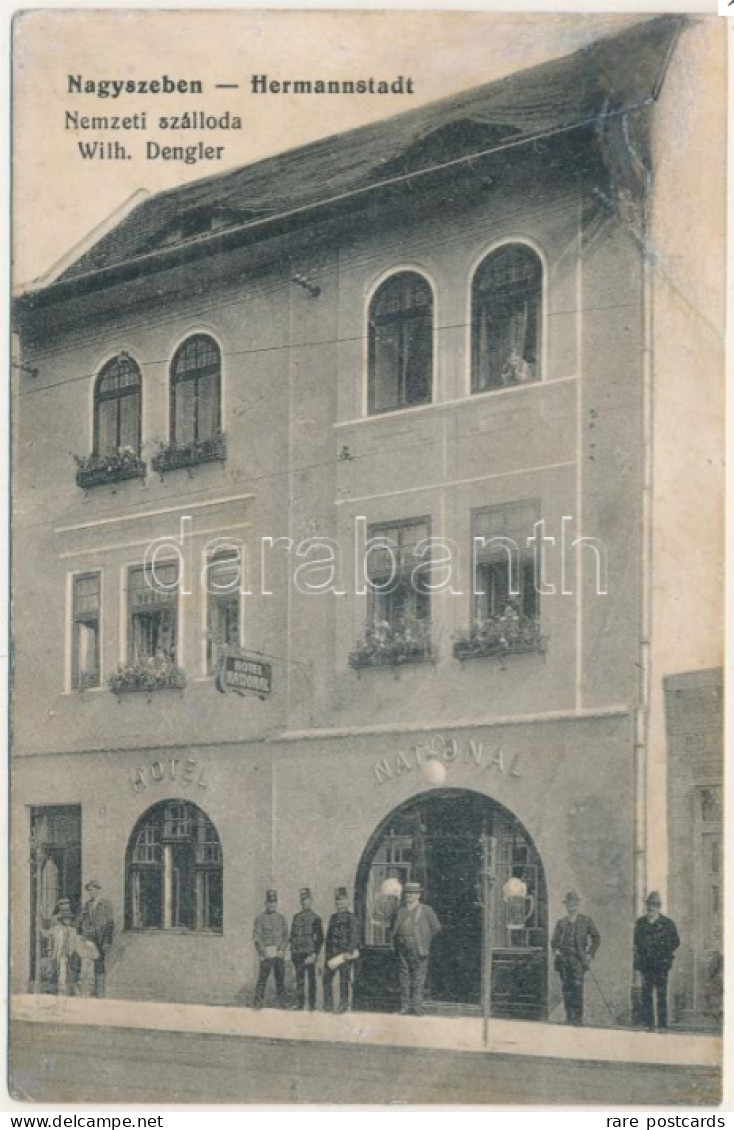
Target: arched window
x: 173, y: 870
x: 195, y: 392
x: 400, y: 343
x: 506, y: 318
x: 117, y: 401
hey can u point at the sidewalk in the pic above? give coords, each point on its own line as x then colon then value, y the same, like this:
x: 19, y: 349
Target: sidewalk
x: 459, y: 1034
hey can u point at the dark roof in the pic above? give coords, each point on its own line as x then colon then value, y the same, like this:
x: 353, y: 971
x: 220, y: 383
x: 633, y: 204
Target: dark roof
x: 613, y: 74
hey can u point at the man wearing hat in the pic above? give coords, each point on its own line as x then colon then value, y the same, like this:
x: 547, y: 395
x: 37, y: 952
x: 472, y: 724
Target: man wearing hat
x: 307, y: 938
x: 414, y: 928
x: 60, y: 937
x: 342, y: 942
x: 575, y: 942
x: 655, y: 942
x: 96, y: 924
x: 270, y: 935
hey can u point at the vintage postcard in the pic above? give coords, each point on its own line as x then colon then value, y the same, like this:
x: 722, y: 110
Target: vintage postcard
x: 367, y: 546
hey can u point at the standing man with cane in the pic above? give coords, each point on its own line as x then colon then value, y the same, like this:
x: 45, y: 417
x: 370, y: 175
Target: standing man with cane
x: 575, y: 942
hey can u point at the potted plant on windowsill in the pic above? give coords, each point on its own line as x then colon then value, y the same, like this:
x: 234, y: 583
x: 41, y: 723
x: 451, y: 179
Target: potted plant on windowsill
x: 393, y: 645
x: 510, y: 632
x: 113, y: 467
x: 172, y: 456
x: 146, y: 675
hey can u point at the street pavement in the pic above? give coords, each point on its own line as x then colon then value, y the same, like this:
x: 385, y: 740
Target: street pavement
x: 71, y: 1049
x: 76, y: 1063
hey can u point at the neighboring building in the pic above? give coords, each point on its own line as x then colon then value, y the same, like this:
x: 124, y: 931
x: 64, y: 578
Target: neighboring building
x: 694, y: 709
x: 446, y: 324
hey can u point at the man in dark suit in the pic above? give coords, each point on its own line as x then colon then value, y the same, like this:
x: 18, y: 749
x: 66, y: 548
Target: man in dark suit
x: 414, y: 928
x: 575, y: 942
x: 342, y: 942
x: 655, y: 942
x: 307, y: 938
x: 96, y: 924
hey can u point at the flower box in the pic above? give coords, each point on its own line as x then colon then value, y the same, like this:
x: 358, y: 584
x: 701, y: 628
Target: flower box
x: 499, y: 636
x: 102, y: 470
x: 145, y: 678
x: 386, y: 646
x: 173, y: 456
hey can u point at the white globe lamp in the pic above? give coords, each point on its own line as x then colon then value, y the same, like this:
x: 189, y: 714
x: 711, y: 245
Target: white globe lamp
x: 434, y: 771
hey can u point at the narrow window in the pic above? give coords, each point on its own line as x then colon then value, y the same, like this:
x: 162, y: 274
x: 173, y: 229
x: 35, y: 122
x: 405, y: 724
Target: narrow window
x: 86, y: 628
x: 117, y: 407
x: 174, y: 870
x: 400, y: 343
x: 504, y: 583
x: 400, y: 604
x: 195, y: 392
x: 153, y: 615
x: 224, y: 580
x: 506, y: 307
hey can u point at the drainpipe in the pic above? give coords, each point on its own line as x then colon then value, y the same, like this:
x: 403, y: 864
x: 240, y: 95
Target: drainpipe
x: 642, y: 713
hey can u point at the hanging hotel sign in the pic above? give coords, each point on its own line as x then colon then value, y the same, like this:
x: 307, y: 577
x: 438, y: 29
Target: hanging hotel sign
x: 244, y: 673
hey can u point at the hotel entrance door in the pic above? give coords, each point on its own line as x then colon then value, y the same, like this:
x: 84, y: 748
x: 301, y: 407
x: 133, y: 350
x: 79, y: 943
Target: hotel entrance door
x: 435, y: 839
x: 56, y: 873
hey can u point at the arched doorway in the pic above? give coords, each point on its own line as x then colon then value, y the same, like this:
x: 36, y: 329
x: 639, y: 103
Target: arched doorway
x: 436, y: 839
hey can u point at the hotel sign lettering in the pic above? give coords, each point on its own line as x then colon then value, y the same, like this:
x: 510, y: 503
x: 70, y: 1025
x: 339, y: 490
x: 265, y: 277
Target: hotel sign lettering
x: 447, y: 751
x: 185, y: 770
x: 244, y: 674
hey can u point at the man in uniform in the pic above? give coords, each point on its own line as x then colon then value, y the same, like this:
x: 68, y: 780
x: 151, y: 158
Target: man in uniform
x: 307, y: 938
x: 270, y: 935
x: 342, y: 941
x: 575, y: 942
x: 655, y: 942
x: 96, y: 924
x: 414, y: 929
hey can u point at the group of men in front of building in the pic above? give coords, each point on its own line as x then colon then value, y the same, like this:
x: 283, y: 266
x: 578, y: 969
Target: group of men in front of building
x: 413, y: 929
x: 575, y: 942
x: 77, y: 947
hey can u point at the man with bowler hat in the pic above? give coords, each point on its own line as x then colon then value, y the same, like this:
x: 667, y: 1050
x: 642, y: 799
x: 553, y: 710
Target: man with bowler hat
x: 270, y: 935
x: 342, y: 941
x: 655, y: 942
x: 307, y: 938
x: 575, y: 942
x: 414, y: 929
x: 96, y: 924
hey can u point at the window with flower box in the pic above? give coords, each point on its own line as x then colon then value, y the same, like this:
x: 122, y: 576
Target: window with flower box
x: 505, y: 603
x: 152, y: 640
x: 399, y: 619
x: 196, y: 428
x: 401, y: 343
x: 117, y: 424
x: 86, y: 630
x: 174, y: 870
x: 506, y: 318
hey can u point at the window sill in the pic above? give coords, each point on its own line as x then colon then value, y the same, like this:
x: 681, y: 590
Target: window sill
x: 176, y: 931
x: 86, y: 478
x: 456, y: 402
x: 173, y: 682
x: 464, y: 651
x: 390, y: 664
x: 178, y: 459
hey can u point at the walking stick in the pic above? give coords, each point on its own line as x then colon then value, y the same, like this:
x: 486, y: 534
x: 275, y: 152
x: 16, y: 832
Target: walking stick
x: 601, y: 994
